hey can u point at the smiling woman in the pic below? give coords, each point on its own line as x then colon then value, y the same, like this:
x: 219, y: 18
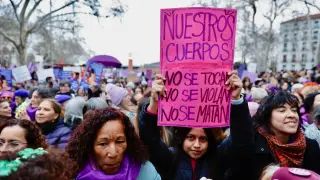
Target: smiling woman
x: 278, y: 136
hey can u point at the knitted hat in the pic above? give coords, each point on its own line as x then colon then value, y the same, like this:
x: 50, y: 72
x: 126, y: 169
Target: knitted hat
x: 61, y: 98
x: 21, y: 93
x: 284, y: 173
x: 116, y: 93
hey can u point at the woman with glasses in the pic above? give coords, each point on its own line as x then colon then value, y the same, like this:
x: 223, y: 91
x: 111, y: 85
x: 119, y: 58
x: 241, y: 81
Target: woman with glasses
x: 16, y: 135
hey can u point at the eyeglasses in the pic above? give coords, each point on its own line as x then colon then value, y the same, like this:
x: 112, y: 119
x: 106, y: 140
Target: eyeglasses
x: 11, y: 144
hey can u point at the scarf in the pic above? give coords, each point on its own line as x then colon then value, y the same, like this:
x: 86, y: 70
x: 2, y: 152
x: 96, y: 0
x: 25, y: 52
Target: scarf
x: 288, y: 155
x: 48, y: 127
x: 128, y: 170
x: 31, y: 111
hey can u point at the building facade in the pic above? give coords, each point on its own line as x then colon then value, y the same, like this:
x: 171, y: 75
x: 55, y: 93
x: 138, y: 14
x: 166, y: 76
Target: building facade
x: 299, y: 43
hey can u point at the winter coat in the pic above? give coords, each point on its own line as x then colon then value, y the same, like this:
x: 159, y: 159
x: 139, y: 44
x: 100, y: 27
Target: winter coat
x: 255, y: 154
x: 171, y: 167
x: 59, y: 135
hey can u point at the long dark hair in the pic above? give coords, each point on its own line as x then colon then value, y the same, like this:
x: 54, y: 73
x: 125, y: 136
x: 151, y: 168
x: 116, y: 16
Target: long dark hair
x: 263, y: 116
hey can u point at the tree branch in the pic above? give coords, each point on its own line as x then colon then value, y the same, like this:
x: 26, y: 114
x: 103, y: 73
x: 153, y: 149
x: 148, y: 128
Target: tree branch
x: 23, y: 10
x: 43, y: 18
x: 33, y: 9
x: 15, y: 10
x: 8, y: 38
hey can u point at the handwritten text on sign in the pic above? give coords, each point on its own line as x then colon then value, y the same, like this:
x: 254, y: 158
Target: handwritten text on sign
x: 197, y: 50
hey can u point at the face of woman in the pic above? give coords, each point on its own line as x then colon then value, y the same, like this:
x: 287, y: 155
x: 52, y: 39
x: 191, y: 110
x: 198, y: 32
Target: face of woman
x: 110, y: 146
x: 196, y: 143
x: 316, y: 101
x: 284, y: 86
x: 35, y: 99
x: 126, y: 101
x: 284, y: 120
x: 12, y: 139
x: 5, y: 109
x: 45, y: 112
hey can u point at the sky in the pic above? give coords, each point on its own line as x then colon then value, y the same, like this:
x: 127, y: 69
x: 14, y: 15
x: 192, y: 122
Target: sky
x: 136, y: 34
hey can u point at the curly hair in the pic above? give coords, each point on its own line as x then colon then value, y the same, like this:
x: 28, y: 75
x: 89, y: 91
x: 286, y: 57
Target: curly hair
x: 263, y: 116
x: 80, y: 146
x: 53, y: 165
x: 34, y: 137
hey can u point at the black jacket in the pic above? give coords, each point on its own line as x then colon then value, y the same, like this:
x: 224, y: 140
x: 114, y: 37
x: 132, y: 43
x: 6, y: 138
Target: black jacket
x: 252, y: 153
x: 171, y: 165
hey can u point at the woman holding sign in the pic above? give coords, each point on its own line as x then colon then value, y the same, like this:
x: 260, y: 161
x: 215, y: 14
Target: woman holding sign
x: 197, y: 153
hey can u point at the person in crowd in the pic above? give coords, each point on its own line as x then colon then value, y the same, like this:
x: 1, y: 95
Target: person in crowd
x: 257, y: 95
x: 196, y: 153
x: 50, y: 121
x: 95, y: 103
x: 5, y: 110
x: 82, y: 92
x: 65, y: 88
x: 37, y: 95
x: 73, y: 114
x: 19, y: 134
x: 278, y: 137
x: 94, y: 91
x: 36, y: 163
x: 120, y: 98
x: 105, y: 146
x: 20, y: 96
x: 275, y: 172
x: 21, y: 103
x: 313, y: 130
x: 309, y: 103
x: 285, y: 85
x: 247, y: 85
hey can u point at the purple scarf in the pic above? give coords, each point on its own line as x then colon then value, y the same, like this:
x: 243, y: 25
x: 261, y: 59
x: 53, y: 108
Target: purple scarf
x: 31, y: 111
x: 128, y: 170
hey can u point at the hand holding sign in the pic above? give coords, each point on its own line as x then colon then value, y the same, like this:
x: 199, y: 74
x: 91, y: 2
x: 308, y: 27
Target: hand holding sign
x: 158, y: 88
x: 234, y: 84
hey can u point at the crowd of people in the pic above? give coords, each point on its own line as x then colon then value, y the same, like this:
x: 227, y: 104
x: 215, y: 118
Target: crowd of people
x: 108, y: 130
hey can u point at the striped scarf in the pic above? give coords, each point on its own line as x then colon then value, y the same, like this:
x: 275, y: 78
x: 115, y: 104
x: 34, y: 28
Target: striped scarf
x: 288, y: 155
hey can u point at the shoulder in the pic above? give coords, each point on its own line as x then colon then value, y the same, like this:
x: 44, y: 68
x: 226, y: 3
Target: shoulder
x: 148, y: 171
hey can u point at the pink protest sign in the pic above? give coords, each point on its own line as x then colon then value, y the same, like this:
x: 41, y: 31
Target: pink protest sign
x: 197, y: 51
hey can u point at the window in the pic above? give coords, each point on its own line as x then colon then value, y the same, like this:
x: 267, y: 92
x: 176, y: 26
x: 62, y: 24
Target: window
x: 294, y: 47
x: 284, y: 66
x: 295, y: 36
x: 312, y: 60
x: 293, y: 66
x: 303, y: 46
x: 284, y: 58
x: 293, y: 58
x: 285, y: 47
x: 303, y: 58
x: 314, y: 45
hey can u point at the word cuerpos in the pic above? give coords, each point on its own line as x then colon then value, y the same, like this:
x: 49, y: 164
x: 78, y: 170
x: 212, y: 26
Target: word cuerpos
x: 183, y: 87
x: 211, y: 40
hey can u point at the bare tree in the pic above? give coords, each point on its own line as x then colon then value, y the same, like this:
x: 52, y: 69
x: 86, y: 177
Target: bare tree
x: 29, y: 18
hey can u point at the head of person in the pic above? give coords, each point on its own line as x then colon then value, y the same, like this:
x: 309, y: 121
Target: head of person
x: 48, y: 164
x: 82, y: 92
x: 64, y: 86
x: 246, y: 83
x: 20, y: 96
x: 5, y: 109
x: 19, y: 134
x: 105, y: 136
x: 119, y: 96
x: 48, y: 111
x: 195, y: 142
x: 311, y: 101
x: 258, y: 94
x: 279, y: 114
x: 6, y: 95
x: 37, y: 95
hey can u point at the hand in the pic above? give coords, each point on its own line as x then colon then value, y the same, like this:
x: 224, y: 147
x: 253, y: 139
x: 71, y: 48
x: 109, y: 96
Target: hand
x: 234, y: 84
x: 158, y: 88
